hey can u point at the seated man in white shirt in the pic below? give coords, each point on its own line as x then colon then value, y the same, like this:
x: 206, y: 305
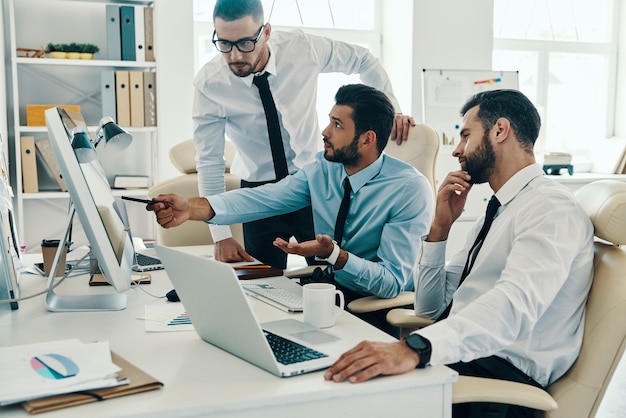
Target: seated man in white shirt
x: 513, y: 308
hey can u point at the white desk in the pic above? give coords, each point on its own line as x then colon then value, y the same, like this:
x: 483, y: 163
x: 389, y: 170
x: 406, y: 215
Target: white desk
x: 203, y: 381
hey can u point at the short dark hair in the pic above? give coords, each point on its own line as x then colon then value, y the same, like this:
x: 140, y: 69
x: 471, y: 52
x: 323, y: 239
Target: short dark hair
x: 371, y: 110
x: 230, y: 10
x: 511, y: 105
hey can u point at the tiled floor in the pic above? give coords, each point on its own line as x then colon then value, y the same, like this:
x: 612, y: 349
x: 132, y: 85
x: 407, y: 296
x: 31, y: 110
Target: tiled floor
x: 614, y: 403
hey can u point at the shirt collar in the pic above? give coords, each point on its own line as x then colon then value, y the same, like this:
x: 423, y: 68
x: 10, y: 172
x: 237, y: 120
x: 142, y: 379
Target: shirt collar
x: 360, y: 179
x: 515, y: 184
x: 270, y: 67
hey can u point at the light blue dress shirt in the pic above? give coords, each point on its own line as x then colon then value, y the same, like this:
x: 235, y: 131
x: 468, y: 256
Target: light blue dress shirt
x: 390, y: 209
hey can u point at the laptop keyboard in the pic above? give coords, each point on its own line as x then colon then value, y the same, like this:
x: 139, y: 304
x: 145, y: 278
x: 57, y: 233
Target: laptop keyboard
x: 276, y: 294
x: 290, y: 352
x: 146, y: 260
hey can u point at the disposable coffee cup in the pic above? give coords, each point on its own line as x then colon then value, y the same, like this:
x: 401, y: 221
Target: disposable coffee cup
x: 48, y: 250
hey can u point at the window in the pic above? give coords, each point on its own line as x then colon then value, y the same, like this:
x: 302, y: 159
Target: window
x: 565, y: 52
x: 334, y: 19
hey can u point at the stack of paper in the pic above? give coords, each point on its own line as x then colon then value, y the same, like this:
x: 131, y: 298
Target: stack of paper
x: 37, y: 370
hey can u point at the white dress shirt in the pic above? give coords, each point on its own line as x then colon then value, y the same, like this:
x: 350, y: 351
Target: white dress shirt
x: 524, y: 299
x: 228, y: 105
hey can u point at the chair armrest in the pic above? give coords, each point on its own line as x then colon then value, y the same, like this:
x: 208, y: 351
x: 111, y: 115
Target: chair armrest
x: 374, y: 303
x: 405, y: 318
x: 480, y: 389
x: 305, y: 271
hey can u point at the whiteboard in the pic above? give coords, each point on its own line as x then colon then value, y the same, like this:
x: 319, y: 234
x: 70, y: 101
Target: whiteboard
x: 445, y: 91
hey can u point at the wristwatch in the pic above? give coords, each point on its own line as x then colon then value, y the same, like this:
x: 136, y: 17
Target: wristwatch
x: 334, y: 255
x: 421, y: 346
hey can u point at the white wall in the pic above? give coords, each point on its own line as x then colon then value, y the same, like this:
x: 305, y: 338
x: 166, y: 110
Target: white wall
x: 620, y: 102
x: 174, y: 53
x: 446, y: 34
x: 3, y: 89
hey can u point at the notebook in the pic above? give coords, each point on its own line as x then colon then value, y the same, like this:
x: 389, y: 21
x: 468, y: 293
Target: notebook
x: 221, y: 315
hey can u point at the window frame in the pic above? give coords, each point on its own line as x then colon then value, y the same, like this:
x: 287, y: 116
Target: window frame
x: 544, y: 48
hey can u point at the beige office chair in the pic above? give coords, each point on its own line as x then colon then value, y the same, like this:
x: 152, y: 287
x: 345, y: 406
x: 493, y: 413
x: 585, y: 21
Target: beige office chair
x: 183, y: 157
x: 420, y: 150
x: 579, y: 392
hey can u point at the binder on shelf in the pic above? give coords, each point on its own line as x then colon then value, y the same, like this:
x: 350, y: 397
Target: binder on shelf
x: 136, y: 98
x: 47, y: 155
x: 148, y: 24
x: 149, y: 98
x: 107, y: 91
x: 127, y: 33
x: 114, y: 47
x: 140, y: 35
x: 30, y: 183
x: 122, y: 98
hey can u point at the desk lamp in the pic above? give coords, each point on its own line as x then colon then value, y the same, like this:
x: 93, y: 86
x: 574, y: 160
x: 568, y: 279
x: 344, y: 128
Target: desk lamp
x: 115, y: 138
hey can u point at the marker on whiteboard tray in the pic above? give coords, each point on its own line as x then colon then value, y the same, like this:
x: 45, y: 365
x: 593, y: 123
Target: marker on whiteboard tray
x: 488, y: 81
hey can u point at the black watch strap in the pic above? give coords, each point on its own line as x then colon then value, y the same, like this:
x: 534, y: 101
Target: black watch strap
x: 421, y: 346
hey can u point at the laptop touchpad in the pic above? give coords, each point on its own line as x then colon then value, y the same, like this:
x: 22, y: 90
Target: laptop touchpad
x: 315, y: 337
x: 299, y: 330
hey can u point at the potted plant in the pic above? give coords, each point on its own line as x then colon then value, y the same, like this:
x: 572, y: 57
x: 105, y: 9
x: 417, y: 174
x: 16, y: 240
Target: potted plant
x: 73, y: 50
x: 56, y: 50
x: 88, y: 50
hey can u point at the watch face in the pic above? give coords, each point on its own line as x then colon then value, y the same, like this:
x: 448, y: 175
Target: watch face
x: 416, y: 342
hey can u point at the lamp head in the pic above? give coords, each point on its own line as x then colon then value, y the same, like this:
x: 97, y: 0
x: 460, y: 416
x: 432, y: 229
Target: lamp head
x: 82, y: 146
x: 114, y: 137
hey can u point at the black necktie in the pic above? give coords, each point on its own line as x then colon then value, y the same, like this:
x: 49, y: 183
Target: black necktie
x: 343, y: 211
x: 273, y: 126
x: 492, y: 208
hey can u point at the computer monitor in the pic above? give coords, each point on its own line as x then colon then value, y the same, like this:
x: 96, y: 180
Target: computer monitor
x: 90, y: 198
x: 8, y: 240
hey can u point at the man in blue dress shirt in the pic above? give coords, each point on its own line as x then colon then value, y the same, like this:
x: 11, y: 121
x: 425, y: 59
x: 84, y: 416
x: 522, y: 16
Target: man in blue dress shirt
x: 391, y: 203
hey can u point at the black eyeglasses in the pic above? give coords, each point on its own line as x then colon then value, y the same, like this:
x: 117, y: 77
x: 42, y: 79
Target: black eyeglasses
x: 243, y: 45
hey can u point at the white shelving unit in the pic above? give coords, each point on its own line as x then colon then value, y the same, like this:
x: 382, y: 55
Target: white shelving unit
x: 33, y: 24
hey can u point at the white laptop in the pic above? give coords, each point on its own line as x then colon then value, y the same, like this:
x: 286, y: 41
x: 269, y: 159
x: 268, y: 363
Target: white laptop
x: 222, y: 316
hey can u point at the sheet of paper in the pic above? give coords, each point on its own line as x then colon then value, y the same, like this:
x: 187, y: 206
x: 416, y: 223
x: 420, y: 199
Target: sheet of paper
x: 36, y: 370
x: 166, y: 317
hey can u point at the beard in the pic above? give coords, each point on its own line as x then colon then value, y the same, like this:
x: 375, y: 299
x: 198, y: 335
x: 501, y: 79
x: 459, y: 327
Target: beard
x: 244, y: 68
x: 482, y: 162
x: 348, y: 155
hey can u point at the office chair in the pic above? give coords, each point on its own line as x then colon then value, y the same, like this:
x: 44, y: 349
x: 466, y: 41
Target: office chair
x: 183, y: 157
x: 420, y: 150
x: 580, y: 391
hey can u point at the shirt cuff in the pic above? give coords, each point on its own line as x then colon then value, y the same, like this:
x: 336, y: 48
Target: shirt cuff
x: 220, y: 232
x: 432, y: 253
x: 444, y: 343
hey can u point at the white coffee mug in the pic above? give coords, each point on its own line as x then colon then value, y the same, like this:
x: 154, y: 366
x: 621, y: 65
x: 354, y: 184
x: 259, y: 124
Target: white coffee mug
x: 319, y: 304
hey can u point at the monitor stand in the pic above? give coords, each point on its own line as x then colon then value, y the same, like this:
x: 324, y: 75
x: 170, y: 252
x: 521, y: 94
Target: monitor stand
x: 68, y: 303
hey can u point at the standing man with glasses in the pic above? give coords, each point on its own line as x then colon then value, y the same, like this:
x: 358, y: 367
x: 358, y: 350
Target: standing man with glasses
x: 262, y: 96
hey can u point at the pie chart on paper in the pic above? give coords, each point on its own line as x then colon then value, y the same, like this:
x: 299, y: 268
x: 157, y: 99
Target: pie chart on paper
x: 54, y: 366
